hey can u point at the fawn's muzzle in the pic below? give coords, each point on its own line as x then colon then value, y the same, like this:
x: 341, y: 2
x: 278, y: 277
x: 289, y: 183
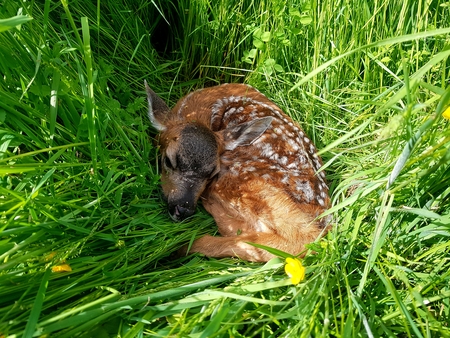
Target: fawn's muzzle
x: 178, y: 212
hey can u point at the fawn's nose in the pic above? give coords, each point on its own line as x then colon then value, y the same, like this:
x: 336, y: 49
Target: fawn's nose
x: 179, y: 213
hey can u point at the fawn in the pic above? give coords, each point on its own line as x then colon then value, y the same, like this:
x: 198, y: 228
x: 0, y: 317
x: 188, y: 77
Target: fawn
x: 254, y: 169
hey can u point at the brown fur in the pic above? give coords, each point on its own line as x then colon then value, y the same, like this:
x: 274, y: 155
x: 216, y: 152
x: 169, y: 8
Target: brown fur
x: 258, y: 174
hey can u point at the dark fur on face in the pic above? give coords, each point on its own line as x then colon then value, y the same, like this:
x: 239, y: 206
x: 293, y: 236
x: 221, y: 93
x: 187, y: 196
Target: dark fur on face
x: 197, y: 151
x: 189, y: 161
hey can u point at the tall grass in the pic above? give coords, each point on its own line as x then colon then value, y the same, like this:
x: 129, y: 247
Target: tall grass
x: 86, y: 246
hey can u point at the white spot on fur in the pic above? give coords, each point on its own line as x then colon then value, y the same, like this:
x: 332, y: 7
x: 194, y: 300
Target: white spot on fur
x: 301, y: 159
x: 266, y: 177
x: 266, y: 149
x: 321, y: 186
x: 228, y: 114
x: 293, y: 144
x: 316, y: 164
x: 306, y: 189
x: 234, y: 171
x: 292, y: 165
x: 261, y: 227
x: 274, y: 157
x: 247, y: 169
x: 230, y: 111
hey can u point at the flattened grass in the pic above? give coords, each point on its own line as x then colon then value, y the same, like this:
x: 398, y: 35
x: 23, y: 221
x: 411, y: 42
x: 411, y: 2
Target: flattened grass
x: 79, y: 186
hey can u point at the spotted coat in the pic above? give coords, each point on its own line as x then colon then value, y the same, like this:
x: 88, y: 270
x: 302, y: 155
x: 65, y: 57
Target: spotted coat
x: 251, y: 165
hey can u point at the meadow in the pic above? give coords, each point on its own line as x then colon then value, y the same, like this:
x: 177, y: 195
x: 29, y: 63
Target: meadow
x: 86, y: 243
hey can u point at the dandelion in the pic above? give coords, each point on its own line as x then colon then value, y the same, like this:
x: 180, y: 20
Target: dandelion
x: 61, y: 268
x: 446, y: 113
x: 295, y: 270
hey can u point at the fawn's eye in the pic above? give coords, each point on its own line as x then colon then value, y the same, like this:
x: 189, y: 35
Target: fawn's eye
x: 168, y: 163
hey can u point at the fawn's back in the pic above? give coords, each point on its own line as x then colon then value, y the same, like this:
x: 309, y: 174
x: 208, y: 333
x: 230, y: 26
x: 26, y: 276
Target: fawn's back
x: 255, y: 170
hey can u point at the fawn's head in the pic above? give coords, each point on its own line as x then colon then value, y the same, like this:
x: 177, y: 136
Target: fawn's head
x: 190, y: 153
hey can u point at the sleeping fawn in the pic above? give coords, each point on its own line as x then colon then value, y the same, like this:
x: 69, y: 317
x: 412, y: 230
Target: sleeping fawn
x: 254, y: 169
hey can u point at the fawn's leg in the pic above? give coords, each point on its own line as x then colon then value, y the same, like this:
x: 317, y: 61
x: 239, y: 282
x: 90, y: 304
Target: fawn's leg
x: 236, y: 246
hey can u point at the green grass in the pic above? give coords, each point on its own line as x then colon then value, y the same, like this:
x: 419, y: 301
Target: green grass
x: 79, y: 184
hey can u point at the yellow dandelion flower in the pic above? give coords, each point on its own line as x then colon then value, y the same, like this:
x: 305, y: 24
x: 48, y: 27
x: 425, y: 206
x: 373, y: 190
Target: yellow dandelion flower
x: 446, y: 113
x: 61, y: 268
x: 295, y: 270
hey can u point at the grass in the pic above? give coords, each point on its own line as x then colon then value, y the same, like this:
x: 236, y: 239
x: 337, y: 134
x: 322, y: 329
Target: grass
x: 79, y: 189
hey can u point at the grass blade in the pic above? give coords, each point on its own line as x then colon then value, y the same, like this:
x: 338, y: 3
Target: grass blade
x: 10, y: 23
x: 37, y: 306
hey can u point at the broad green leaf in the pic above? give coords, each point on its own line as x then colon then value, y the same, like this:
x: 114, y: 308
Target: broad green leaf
x: 265, y: 36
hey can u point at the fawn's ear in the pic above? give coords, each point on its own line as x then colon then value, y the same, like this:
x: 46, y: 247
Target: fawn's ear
x: 245, y: 133
x: 157, y: 109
